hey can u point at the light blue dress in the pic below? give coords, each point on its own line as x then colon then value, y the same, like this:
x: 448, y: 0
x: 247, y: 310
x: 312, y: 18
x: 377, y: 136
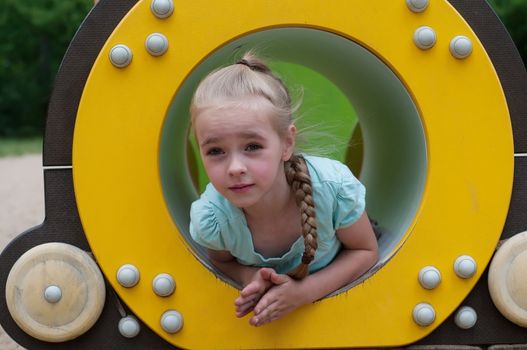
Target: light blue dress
x: 339, y: 201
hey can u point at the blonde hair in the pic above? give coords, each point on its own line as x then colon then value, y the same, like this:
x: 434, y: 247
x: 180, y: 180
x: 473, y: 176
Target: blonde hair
x: 250, y: 77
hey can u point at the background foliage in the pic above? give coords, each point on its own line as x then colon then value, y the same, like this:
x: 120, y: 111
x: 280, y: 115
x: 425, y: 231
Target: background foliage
x: 35, y: 35
x: 513, y: 14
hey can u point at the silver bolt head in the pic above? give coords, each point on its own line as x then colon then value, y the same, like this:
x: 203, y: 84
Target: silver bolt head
x: 466, y: 317
x: 417, y: 5
x: 128, y: 275
x: 120, y: 55
x: 156, y: 44
x: 171, y: 321
x: 52, y: 294
x: 424, y: 314
x: 129, y: 327
x: 429, y: 277
x: 465, y: 266
x: 460, y: 47
x: 163, y: 285
x: 162, y: 8
x: 425, y: 37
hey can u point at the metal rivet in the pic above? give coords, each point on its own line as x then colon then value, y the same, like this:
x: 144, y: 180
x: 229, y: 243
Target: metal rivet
x: 424, y: 314
x: 417, y: 5
x: 425, y: 37
x: 429, y: 277
x: 171, y: 321
x: 128, y: 275
x: 466, y: 317
x: 120, y: 56
x: 163, y: 285
x: 465, y: 266
x: 156, y: 44
x: 162, y: 8
x: 129, y: 327
x: 460, y: 47
x: 52, y: 294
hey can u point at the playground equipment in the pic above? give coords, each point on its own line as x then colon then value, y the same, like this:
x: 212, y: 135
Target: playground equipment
x: 439, y: 90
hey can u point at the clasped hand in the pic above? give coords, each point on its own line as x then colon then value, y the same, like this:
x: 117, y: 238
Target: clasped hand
x: 270, y: 295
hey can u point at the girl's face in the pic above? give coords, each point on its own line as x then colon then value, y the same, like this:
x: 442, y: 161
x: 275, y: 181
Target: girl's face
x: 243, y: 153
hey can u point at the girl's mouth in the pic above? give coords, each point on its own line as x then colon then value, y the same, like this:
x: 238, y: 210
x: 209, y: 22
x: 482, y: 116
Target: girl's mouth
x: 241, y: 188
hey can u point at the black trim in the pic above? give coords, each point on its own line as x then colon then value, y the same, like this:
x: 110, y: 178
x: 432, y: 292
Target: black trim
x: 517, y: 217
x: 72, y: 75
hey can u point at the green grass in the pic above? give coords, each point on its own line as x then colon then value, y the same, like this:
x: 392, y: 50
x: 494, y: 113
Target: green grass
x: 17, y: 147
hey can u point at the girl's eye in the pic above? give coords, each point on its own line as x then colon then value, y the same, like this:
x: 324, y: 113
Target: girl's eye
x: 215, y: 151
x: 253, y: 147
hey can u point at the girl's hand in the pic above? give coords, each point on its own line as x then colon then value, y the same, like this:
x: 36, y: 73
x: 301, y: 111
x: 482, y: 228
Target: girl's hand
x: 284, y: 297
x: 253, y: 291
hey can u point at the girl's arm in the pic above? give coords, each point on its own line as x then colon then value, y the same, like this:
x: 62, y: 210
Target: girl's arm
x: 225, y: 262
x: 254, y: 285
x: 359, y: 254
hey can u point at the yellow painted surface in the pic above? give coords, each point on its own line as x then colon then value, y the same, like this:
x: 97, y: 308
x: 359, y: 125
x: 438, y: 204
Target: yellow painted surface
x: 120, y: 200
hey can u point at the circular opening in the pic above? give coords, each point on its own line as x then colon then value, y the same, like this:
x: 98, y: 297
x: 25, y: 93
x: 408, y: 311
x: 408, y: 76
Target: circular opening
x: 394, y: 163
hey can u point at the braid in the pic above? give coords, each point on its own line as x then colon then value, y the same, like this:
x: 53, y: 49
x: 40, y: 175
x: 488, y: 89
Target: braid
x: 297, y: 176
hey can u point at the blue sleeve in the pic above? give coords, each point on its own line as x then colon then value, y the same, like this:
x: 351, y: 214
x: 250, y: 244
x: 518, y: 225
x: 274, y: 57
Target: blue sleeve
x: 204, y: 227
x: 350, y: 200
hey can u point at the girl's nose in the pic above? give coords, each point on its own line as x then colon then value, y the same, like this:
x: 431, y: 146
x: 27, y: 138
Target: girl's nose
x: 237, y: 167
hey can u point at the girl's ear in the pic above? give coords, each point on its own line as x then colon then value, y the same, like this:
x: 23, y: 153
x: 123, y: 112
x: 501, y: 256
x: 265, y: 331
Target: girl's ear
x: 289, y: 142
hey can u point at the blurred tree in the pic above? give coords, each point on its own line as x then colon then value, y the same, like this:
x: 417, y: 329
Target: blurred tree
x: 513, y: 14
x: 34, y: 37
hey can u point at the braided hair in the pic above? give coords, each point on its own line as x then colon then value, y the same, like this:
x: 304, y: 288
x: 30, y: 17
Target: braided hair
x: 298, y: 178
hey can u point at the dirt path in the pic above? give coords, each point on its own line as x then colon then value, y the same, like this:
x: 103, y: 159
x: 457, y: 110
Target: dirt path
x: 21, y: 206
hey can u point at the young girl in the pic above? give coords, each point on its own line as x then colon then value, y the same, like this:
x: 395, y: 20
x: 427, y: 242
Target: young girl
x: 289, y: 228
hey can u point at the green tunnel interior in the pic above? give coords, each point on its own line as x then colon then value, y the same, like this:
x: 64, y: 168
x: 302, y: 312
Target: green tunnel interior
x: 355, y: 109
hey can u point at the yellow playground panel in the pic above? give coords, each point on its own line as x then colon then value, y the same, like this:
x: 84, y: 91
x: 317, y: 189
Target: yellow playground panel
x: 122, y: 197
